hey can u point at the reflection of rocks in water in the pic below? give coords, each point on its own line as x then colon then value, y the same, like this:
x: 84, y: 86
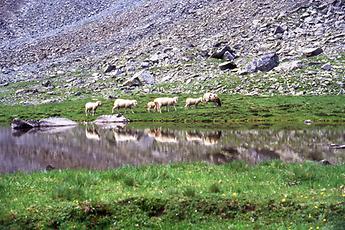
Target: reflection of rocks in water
x: 92, y: 133
x: 162, y: 136
x: 219, y: 158
x: 225, y: 155
x: 258, y: 155
x: 41, y: 130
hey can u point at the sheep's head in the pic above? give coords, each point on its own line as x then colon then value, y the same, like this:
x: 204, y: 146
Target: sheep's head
x: 176, y: 99
x: 99, y: 103
x: 135, y: 102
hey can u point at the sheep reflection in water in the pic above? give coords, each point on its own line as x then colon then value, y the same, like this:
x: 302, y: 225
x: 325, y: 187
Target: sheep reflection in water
x: 162, y: 136
x: 206, y: 138
x: 92, y: 133
x: 125, y: 135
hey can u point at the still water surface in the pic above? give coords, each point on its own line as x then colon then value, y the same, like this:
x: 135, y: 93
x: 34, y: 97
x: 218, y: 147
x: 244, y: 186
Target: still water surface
x: 95, y: 147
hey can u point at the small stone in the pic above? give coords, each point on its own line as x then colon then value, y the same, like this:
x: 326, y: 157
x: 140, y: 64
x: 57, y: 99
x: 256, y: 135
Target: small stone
x: 227, y: 65
x: 327, y: 67
x: 109, y: 68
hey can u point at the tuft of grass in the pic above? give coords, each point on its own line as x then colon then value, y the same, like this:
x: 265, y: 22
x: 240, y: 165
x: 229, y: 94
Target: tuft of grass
x: 68, y: 193
x: 129, y: 181
x: 214, y: 188
x: 189, y: 191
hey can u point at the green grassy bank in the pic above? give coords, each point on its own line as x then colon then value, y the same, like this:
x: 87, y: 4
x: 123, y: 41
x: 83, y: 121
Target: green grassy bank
x: 272, y: 195
x: 235, y: 109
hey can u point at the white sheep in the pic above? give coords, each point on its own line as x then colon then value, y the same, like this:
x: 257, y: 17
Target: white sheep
x: 124, y: 103
x: 165, y: 101
x: 212, y: 97
x: 151, y: 106
x: 193, y: 101
x: 92, y: 106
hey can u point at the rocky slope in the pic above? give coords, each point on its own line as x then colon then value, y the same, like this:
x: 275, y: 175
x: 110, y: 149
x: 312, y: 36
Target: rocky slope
x: 52, y: 51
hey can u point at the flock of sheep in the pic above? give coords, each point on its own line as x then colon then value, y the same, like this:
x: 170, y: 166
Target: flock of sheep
x: 156, y: 104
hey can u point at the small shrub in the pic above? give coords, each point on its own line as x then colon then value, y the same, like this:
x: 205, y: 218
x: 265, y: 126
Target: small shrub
x: 238, y: 165
x: 68, y: 193
x: 116, y: 176
x: 304, y: 174
x: 189, y: 191
x: 129, y: 181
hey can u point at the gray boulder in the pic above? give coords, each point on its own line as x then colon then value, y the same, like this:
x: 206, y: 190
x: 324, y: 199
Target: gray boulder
x: 109, y: 68
x: 140, y: 78
x: 47, y: 122
x: 327, y: 67
x: 289, y: 66
x: 227, y: 65
x: 225, y: 53
x: 264, y: 63
x: 310, y: 52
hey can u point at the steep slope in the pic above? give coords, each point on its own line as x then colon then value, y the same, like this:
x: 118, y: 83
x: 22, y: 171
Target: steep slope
x: 172, y: 41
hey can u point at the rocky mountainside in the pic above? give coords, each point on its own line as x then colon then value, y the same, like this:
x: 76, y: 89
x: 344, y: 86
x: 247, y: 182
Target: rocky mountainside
x: 50, y: 51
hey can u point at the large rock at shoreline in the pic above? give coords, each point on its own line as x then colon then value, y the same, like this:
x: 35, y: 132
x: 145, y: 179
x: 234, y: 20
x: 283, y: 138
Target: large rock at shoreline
x: 47, y: 122
x: 117, y: 118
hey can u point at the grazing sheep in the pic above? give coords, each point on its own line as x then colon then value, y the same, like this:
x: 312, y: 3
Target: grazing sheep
x: 151, y: 106
x: 165, y: 101
x: 193, y: 101
x: 124, y: 103
x: 92, y: 106
x: 212, y: 97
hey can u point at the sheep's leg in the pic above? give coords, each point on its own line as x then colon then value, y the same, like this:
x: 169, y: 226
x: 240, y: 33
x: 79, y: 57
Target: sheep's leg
x: 86, y: 112
x: 175, y: 108
x: 112, y: 110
